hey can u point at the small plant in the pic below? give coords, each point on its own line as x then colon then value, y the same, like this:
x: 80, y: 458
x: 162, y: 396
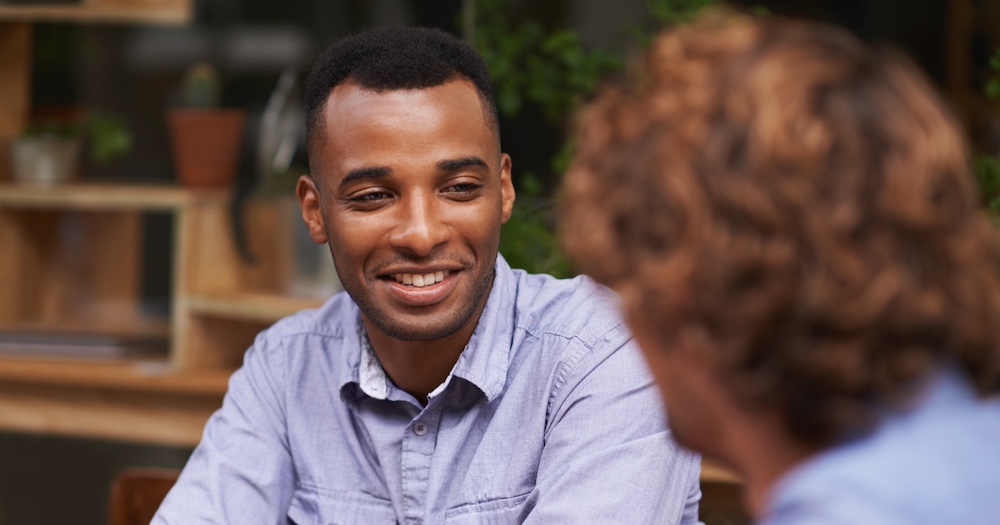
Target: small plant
x: 107, y: 135
x: 200, y: 87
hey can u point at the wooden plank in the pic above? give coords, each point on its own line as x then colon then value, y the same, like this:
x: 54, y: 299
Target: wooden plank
x: 213, y: 343
x: 145, y: 418
x: 105, y: 197
x: 158, y: 12
x: 11, y: 280
x: 249, y: 306
x: 212, y: 263
x: 125, y: 376
x: 15, y: 86
x: 39, y: 297
x: 109, y: 284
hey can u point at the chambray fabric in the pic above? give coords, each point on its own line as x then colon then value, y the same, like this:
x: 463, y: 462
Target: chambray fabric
x: 549, y: 416
x: 938, y: 464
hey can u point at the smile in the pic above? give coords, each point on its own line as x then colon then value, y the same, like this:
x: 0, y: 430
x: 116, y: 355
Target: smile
x: 420, y: 280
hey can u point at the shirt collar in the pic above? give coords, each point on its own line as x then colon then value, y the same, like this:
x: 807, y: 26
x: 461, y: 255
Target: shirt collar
x: 483, y: 363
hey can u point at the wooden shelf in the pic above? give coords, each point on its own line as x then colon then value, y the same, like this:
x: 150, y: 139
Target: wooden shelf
x: 103, y: 197
x: 265, y: 308
x: 159, y: 12
x: 143, y: 402
x: 134, y: 376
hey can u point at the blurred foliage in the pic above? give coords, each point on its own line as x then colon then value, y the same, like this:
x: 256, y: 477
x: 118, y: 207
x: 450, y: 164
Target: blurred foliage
x: 552, y: 69
x: 200, y: 87
x: 555, y: 71
x: 529, y: 63
x: 107, y: 135
x: 993, y: 84
x: 986, y: 168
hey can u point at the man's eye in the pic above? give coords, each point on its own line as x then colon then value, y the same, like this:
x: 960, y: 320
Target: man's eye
x: 464, y: 187
x: 373, y: 196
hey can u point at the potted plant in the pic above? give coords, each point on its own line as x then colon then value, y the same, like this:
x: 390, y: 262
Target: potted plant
x: 206, y: 139
x: 48, y: 151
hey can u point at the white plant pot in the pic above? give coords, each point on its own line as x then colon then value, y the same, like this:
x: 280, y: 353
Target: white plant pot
x: 44, y: 159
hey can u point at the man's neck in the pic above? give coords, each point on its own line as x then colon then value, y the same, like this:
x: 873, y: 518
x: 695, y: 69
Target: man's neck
x: 418, y: 367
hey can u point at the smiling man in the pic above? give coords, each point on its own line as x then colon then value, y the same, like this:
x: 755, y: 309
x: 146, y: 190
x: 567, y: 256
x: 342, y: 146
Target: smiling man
x: 443, y: 386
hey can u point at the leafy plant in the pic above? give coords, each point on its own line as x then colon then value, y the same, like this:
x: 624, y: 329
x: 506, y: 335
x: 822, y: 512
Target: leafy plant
x: 529, y: 64
x: 553, y: 70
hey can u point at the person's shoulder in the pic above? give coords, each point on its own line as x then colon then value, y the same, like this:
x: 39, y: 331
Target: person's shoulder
x: 334, y: 318
x: 932, y: 463
x: 570, y: 308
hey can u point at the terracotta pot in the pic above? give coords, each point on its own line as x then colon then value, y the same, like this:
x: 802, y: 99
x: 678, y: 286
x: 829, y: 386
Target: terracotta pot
x: 206, y: 145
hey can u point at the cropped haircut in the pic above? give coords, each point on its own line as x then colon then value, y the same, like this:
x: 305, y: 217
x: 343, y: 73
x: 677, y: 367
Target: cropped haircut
x: 397, y: 58
x: 802, y: 203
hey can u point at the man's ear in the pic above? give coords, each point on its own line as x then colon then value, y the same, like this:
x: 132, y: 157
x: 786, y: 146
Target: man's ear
x: 506, y: 188
x: 312, y: 210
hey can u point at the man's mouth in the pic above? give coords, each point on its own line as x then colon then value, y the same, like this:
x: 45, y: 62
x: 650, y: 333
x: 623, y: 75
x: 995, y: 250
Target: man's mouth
x: 420, y: 280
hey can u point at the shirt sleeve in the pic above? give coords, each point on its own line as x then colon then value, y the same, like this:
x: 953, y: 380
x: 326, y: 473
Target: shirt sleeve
x: 241, y: 472
x: 609, y: 456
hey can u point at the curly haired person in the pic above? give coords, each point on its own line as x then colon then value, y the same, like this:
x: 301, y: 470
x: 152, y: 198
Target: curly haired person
x: 790, y: 219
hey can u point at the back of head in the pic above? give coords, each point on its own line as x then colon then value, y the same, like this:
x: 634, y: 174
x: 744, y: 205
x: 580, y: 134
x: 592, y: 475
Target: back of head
x: 803, y: 201
x: 396, y: 58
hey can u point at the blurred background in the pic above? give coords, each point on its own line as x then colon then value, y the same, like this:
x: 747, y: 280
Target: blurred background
x: 131, y: 282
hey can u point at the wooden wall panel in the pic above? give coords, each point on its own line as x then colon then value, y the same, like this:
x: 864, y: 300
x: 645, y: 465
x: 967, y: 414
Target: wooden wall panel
x: 15, y: 86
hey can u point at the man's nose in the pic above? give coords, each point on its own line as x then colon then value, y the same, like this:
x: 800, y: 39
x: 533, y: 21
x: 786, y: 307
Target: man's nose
x: 421, y: 226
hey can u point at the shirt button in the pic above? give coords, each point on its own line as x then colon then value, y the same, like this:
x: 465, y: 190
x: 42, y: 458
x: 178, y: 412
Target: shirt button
x: 420, y: 428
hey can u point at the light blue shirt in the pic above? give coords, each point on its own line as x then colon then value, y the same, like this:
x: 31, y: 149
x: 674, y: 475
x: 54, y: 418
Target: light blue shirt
x: 549, y: 416
x: 936, y: 465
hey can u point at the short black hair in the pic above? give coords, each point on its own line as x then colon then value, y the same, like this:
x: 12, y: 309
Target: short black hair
x: 396, y: 58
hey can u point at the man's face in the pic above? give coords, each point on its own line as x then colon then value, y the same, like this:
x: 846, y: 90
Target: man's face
x: 410, y: 189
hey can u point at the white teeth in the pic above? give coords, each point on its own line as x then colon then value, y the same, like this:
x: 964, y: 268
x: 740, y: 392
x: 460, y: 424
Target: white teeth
x: 421, y: 280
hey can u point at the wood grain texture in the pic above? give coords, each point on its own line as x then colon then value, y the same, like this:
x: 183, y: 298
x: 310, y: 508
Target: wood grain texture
x: 15, y: 86
x: 174, y: 420
x: 153, y: 377
x: 106, y: 197
x: 136, y: 494
x: 159, y: 12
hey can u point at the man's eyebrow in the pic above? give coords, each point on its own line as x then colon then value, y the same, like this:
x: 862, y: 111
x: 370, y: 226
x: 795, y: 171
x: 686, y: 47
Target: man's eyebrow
x: 373, y: 172
x: 464, y: 162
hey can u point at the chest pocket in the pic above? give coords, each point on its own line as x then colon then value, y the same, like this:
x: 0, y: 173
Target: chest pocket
x: 312, y: 506
x: 502, y: 511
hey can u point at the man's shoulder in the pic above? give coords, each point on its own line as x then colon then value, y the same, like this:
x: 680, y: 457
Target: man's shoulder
x: 571, y: 308
x: 336, y: 317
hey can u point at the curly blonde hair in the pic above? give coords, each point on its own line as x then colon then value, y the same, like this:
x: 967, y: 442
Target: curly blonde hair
x: 801, y: 199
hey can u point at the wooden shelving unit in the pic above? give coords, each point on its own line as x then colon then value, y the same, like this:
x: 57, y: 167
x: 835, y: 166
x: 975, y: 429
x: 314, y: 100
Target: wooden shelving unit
x: 92, y: 282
